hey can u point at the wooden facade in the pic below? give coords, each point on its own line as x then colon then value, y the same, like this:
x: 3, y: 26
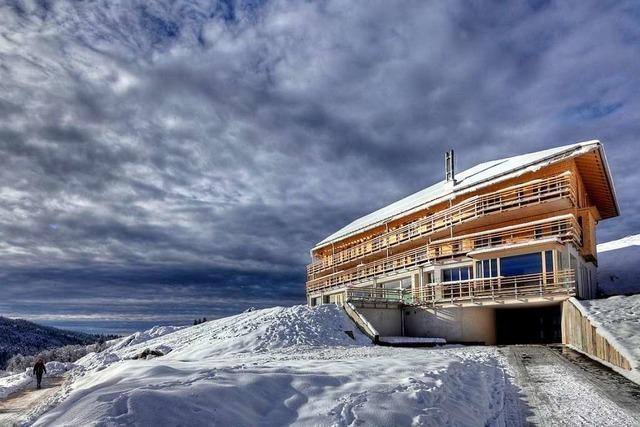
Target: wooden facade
x: 550, y: 208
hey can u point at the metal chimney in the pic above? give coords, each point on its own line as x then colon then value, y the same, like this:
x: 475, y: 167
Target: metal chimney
x: 449, y: 169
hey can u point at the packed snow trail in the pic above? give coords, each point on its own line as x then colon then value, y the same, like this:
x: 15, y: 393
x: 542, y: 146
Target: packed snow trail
x: 15, y: 408
x: 571, y: 389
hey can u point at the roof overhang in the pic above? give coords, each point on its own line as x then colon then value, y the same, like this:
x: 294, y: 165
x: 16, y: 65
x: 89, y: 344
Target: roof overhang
x: 588, y: 150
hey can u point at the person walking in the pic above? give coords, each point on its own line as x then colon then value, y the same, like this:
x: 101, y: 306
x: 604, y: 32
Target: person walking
x: 38, y: 370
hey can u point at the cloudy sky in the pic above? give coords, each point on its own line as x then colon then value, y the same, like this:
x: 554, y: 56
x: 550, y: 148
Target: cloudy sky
x: 161, y: 159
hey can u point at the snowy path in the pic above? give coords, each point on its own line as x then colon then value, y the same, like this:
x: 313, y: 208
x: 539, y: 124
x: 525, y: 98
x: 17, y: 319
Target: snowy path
x: 14, y: 409
x: 562, y: 387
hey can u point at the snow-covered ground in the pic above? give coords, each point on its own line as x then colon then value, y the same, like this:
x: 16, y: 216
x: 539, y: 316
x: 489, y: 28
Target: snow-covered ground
x: 16, y: 382
x: 618, y: 319
x: 280, y: 366
x: 618, y: 270
x: 298, y: 365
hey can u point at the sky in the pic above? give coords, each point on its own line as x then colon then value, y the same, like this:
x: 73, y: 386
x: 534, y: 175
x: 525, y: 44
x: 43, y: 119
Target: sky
x: 163, y: 160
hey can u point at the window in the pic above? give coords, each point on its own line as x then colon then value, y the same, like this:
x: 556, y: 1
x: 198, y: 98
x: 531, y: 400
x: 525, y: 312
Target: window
x: 487, y: 268
x: 521, y: 264
x: 548, y: 259
x: 457, y: 273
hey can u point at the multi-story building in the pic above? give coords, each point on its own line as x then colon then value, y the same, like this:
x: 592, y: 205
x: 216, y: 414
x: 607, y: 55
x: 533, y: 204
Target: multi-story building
x: 516, y: 233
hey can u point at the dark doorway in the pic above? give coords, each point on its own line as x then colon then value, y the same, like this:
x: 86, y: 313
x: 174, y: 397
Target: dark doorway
x: 531, y: 325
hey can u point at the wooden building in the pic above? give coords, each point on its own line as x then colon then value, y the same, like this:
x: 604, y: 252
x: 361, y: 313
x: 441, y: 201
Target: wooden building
x: 449, y: 260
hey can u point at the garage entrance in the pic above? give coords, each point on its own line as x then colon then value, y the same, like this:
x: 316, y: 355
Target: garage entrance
x: 530, y: 325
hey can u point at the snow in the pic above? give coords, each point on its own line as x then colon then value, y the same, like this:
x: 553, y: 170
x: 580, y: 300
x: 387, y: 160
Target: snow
x: 618, y: 272
x: 469, y: 180
x: 618, y: 319
x: 281, y: 366
x: 13, y: 383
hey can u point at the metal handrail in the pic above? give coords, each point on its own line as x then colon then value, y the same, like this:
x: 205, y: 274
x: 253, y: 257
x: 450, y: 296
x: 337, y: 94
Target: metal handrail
x: 532, y: 192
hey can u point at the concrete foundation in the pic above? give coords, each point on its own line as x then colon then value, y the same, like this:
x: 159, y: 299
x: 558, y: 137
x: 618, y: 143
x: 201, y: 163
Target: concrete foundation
x: 464, y: 325
x: 387, y: 321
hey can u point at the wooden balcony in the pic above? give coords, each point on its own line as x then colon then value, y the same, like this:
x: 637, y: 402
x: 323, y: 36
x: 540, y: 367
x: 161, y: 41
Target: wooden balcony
x: 516, y: 197
x: 564, y: 228
x: 496, y: 289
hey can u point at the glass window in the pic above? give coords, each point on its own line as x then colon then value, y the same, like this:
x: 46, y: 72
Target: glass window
x: 521, y: 264
x: 457, y: 273
x: 487, y: 268
x: 548, y: 259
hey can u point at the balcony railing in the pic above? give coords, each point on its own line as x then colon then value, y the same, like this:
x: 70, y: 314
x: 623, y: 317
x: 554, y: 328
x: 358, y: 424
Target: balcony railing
x: 565, y: 228
x: 530, y: 193
x: 559, y: 283
x: 379, y: 295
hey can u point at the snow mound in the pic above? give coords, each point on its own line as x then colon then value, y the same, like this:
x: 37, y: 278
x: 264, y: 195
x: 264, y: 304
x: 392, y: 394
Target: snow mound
x: 257, y: 331
x: 144, y: 336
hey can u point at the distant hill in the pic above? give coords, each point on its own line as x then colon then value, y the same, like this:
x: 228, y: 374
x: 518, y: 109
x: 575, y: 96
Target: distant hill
x: 619, y: 266
x: 27, y: 338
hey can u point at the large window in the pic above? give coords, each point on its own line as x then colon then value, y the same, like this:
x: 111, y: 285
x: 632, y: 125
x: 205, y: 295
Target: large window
x: 457, y: 273
x: 521, y: 264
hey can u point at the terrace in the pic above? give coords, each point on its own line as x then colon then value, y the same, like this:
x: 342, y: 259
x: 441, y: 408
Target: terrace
x: 493, y: 290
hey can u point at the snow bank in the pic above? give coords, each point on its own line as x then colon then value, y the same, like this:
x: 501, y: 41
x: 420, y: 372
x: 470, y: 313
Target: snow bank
x: 618, y: 271
x: 12, y: 383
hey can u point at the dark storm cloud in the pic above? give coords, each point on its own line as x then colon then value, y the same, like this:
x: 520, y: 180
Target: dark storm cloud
x: 161, y: 150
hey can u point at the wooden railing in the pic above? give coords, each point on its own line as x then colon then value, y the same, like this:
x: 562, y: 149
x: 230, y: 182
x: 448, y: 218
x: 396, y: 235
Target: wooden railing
x: 496, y: 288
x: 565, y: 228
x: 530, y: 193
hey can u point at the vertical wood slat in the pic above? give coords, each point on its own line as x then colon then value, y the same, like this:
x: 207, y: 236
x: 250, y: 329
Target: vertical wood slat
x: 578, y: 332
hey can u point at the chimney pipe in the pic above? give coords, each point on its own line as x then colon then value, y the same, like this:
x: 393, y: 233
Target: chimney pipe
x: 449, y: 167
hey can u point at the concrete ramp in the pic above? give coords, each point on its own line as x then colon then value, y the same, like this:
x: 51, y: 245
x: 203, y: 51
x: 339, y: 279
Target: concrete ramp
x: 361, y: 322
x: 582, y: 334
x: 373, y: 322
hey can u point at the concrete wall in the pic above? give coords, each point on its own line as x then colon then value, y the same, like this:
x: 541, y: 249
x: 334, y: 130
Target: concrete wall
x: 468, y: 324
x: 388, y: 321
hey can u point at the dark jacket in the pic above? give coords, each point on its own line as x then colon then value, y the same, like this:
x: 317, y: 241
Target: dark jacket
x: 39, y: 368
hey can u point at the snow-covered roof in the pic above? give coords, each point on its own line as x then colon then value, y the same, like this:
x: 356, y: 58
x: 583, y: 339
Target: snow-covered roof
x: 469, y: 180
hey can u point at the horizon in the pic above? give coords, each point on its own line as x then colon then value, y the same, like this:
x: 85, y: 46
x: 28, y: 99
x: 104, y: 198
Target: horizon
x: 169, y: 161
